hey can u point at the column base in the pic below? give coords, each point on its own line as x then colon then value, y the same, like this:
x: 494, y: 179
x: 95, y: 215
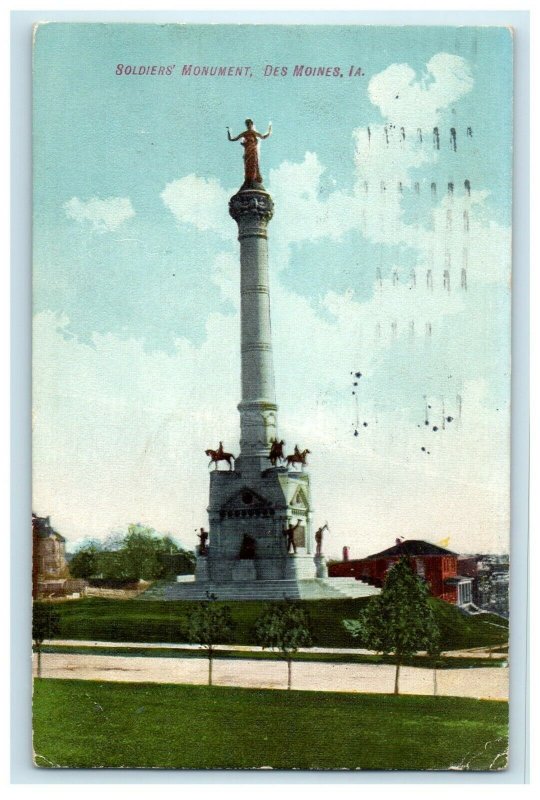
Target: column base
x: 300, y: 567
x: 321, y: 567
x: 202, y: 573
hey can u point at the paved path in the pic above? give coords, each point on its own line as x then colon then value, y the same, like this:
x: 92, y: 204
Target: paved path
x: 476, y: 652
x: 480, y: 682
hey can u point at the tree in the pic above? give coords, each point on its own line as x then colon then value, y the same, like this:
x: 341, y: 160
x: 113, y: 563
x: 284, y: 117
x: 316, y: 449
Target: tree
x: 85, y: 562
x: 285, y: 627
x: 174, y: 559
x: 45, y: 625
x: 140, y: 553
x: 113, y: 566
x: 111, y: 561
x: 210, y: 624
x: 168, y: 545
x: 141, y: 548
x: 400, y: 619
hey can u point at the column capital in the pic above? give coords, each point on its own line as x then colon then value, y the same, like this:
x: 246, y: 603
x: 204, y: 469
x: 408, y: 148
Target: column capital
x: 251, y: 205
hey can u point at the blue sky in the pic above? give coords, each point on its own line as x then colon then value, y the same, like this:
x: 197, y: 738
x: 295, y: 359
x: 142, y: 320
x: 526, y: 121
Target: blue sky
x: 135, y: 270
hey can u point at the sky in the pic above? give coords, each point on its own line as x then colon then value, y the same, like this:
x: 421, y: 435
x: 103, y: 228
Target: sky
x: 136, y: 274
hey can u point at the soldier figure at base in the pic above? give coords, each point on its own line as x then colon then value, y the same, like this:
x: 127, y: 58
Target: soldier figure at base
x: 203, y: 537
x: 319, y: 539
x: 289, y: 533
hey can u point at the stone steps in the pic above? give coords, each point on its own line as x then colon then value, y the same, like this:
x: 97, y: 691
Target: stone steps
x: 336, y: 588
x: 350, y: 587
x: 316, y: 589
x: 246, y: 590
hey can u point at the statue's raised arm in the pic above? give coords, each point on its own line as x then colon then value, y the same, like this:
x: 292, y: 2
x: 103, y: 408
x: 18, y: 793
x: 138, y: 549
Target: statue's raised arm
x: 265, y: 135
x: 233, y: 138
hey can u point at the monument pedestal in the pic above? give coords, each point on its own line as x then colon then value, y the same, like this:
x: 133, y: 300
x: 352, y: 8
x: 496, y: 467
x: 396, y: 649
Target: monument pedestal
x: 257, y: 507
x: 244, y: 570
x: 321, y: 567
x: 201, y: 569
x: 300, y: 567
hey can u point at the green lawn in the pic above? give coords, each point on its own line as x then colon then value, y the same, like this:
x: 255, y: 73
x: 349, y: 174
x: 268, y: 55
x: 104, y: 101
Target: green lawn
x: 94, y: 724
x: 160, y: 621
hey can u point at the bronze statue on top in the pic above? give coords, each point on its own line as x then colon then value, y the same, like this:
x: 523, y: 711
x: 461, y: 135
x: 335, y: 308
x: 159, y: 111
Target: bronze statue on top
x: 250, y: 142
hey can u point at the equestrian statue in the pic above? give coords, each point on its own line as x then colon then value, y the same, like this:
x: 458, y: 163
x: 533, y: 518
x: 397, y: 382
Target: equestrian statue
x: 219, y: 455
x: 298, y: 457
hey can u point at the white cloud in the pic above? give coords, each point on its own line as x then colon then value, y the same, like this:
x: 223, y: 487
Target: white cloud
x: 199, y: 202
x: 105, y: 214
x: 412, y: 101
x: 300, y: 214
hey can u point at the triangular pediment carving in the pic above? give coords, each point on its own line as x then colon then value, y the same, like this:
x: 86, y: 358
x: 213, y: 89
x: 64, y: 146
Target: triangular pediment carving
x: 300, y: 500
x: 246, y: 499
x: 247, y: 503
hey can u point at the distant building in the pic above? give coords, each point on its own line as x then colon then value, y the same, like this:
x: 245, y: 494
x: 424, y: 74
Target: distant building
x: 436, y: 565
x: 50, y: 573
x: 493, y: 584
x: 468, y: 566
x: 49, y: 551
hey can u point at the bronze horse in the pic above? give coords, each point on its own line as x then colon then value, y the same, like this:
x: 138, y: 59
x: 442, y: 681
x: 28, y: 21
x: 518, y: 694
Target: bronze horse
x: 219, y: 455
x: 276, y: 452
x: 298, y: 457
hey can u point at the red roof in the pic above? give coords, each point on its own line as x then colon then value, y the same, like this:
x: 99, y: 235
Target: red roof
x: 412, y: 547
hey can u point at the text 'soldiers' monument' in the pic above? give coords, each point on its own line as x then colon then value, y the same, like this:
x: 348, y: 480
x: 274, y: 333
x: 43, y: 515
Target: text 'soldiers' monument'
x: 260, y: 512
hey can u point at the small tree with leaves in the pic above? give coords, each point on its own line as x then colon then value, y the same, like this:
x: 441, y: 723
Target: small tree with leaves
x: 285, y: 627
x: 400, y: 620
x: 45, y: 625
x: 85, y: 562
x: 208, y: 625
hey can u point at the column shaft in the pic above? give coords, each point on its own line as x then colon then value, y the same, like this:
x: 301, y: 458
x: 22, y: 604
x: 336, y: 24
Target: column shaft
x: 252, y: 210
x: 256, y: 334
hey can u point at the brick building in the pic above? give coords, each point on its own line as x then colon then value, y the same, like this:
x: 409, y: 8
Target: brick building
x: 48, y: 553
x: 436, y: 565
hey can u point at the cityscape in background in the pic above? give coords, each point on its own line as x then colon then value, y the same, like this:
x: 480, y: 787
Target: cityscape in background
x: 475, y: 582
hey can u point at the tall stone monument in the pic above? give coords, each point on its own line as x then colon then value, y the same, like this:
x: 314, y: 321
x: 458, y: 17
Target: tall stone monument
x: 260, y: 543
x: 260, y: 512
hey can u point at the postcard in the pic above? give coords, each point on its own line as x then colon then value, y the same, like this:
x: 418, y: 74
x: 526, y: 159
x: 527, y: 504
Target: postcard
x: 271, y: 396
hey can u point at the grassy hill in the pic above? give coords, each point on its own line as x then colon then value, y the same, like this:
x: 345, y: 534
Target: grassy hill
x: 459, y: 630
x: 160, y: 621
